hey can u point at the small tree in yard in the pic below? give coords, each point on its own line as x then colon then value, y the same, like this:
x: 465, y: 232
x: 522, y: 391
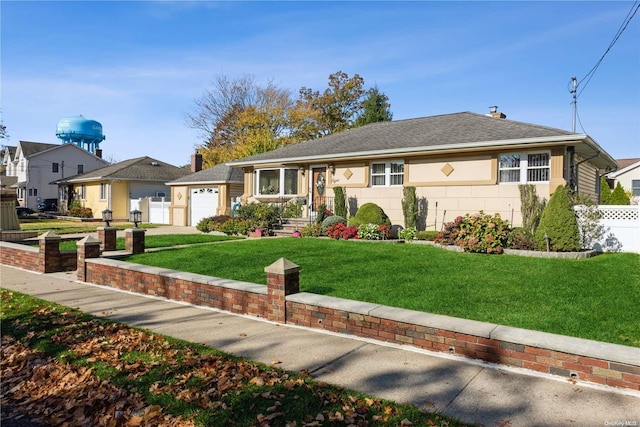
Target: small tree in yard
x: 588, y: 216
x: 605, y: 191
x: 531, y: 207
x: 619, y: 196
x: 410, y: 207
x: 340, y: 201
x: 559, y: 224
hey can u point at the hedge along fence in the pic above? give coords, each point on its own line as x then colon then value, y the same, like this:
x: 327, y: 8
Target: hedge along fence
x: 280, y: 301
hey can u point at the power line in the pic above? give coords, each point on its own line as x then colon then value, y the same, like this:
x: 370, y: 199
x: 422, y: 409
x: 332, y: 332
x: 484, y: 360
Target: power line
x: 623, y: 27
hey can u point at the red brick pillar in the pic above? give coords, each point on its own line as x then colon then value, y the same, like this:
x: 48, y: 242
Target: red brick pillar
x: 49, y: 253
x: 107, y: 237
x: 134, y: 240
x: 88, y: 247
x: 283, y: 278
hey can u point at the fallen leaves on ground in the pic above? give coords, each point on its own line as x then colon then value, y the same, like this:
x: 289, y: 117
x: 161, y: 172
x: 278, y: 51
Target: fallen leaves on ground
x: 93, y: 372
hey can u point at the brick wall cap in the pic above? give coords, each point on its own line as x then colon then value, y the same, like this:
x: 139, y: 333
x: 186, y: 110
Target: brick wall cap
x: 334, y: 303
x: 566, y: 344
x: 19, y: 246
x: 135, y: 230
x: 107, y: 228
x: 282, y: 266
x: 49, y: 235
x: 88, y: 240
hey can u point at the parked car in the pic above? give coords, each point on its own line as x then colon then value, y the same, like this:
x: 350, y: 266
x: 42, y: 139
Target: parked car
x: 23, y: 212
x: 48, y: 205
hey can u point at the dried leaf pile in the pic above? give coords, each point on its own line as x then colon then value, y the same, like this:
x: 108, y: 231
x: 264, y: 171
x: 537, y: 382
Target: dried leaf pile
x: 63, y: 368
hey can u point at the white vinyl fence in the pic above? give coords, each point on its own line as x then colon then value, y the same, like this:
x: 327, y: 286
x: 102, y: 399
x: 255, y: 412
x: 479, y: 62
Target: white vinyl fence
x: 621, y: 228
x: 155, y: 210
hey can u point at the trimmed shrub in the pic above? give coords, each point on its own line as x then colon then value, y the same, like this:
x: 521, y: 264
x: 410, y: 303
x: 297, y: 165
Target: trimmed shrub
x: 212, y: 223
x: 237, y: 226
x: 427, y: 235
x: 410, y: 207
x: 322, y: 213
x: 619, y: 196
x: 370, y: 213
x: 264, y: 215
x: 340, y: 201
x: 559, y: 223
x: 332, y: 220
x: 292, y: 209
x: 522, y: 240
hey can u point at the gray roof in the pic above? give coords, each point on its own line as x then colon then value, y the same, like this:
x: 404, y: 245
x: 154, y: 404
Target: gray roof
x: 427, y: 133
x: 138, y: 169
x: 31, y: 148
x: 215, y: 175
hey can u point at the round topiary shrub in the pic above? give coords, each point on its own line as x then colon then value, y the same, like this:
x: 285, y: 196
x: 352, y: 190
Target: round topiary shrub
x: 332, y: 220
x: 370, y: 213
x: 559, y: 223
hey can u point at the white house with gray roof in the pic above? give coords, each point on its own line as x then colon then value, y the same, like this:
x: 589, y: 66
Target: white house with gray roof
x: 459, y: 163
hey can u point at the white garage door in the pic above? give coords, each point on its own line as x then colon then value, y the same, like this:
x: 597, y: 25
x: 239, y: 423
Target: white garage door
x: 204, y: 202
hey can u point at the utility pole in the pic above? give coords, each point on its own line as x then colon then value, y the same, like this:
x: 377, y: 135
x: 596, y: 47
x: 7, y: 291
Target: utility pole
x: 574, y: 91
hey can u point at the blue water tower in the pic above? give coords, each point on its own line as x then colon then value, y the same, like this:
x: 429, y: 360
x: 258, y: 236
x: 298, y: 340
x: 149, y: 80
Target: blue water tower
x: 84, y: 133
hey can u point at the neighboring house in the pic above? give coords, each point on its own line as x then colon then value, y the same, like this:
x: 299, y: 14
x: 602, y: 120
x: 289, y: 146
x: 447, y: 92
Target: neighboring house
x: 6, y: 155
x: 628, y: 175
x: 459, y: 163
x: 35, y: 165
x: 113, y: 187
x: 205, y: 193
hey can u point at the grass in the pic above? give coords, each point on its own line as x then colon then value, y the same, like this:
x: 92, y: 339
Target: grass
x: 596, y: 298
x: 151, y: 380
x: 163, y: 241
x: 60, y: 226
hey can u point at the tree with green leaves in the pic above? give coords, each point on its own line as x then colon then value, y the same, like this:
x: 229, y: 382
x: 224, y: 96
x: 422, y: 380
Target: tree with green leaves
x: 619, y: 196
x: 375, y: 108
x: 333, y: 110
x: 410, y: 206
x: 605, y: 191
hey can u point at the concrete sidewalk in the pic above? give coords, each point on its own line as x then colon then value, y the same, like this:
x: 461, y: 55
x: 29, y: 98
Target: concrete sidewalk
x: 470, y: 391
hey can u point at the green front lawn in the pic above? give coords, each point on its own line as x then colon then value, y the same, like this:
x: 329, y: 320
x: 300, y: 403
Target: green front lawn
x: 163, y: 241
x: 596, y: 298
x: 62, y: 226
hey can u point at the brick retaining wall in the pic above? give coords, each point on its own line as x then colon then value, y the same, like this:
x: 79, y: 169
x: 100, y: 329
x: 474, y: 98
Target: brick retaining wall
x: 569, y: 357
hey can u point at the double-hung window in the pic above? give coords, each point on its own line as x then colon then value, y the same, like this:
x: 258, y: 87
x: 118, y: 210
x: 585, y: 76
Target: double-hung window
x: 276, y: 182
x: 635, y: 187
x: 103, y: 191
x: 385, y: 174
x: 523, y: 168
x: 55, y: 167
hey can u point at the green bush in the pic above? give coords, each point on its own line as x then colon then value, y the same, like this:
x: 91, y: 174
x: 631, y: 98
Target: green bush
x: 212, y: 223
x: 332, y: 220
x: 237, y: 226
x: 370, y: 213
x: 264, y: 215
x: 605, y: 191
x: 427, y: 235
x: 408, y: 233
x: 80, y: 212
x: 479, y: 232
x: 311, y: 230
x: 292, y: 209
x: 559, y: 223
x: 340, y: 201
x: 619, y: 196
x: 531, y: 207
x: 522, y: 239
x: 410, y: 207
x: 321, y: 214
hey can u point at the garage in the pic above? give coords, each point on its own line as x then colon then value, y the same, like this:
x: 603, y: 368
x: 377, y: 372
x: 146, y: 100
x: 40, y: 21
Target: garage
x: 203, y: 202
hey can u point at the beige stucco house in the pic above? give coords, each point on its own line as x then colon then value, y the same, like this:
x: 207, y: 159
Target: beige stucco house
x: 459, y: 163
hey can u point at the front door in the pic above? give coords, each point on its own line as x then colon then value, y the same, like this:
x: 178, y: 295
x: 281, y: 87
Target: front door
x: 319, y: 187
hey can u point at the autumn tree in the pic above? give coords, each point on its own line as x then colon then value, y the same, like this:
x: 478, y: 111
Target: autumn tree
x: 375, y: 108
x: 333, y: 110
x: 239, y: 117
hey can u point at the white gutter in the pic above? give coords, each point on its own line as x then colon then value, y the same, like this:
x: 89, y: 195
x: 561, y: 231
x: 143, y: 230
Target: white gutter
x: 410, y: 150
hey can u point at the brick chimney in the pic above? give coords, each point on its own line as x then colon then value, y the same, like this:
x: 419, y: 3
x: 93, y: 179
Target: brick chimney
x: 98, y: 152
x: 196, y: 162
x: 493, y: 112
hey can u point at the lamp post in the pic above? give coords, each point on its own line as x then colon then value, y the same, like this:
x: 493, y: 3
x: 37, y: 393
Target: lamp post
x: 135, y: 216
x: 107, y: 217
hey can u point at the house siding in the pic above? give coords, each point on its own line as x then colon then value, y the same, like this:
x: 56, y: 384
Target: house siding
x: 587, y: 179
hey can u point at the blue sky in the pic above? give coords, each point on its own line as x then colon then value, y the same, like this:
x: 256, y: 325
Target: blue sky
x: 136, y: 66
